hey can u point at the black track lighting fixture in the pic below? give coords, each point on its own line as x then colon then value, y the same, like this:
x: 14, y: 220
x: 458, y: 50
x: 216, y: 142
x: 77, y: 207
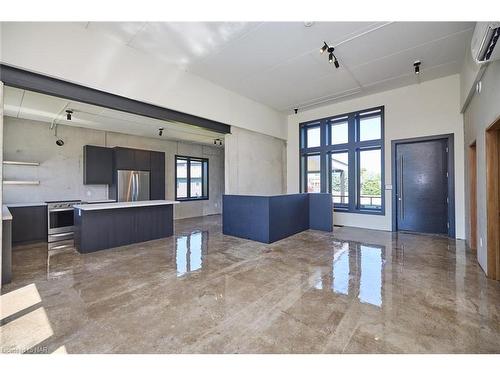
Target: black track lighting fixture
x: 218, y: 141
x: 331, y: 56
x: 324, y: 48
x: 160, y: 131
x: 296, y: 110
x: 69, y: 112
x: 416, y: 65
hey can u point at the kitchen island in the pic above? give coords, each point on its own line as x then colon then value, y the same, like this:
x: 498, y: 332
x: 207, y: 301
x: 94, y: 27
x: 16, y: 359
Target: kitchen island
x: 107, y: 225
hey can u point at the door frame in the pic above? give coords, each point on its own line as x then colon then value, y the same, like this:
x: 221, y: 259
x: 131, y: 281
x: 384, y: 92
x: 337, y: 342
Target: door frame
x: 493, y: 200
x: 451, y: 176
x: 472, y: 159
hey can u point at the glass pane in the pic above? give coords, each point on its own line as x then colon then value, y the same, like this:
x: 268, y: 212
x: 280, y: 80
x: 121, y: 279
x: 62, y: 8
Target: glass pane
x: 339, y: 133
x: 196, y: 175
x: 340, y: 178
x: 205, y: 178
x: 370, y: 164
x: 181, y: 183
x: 313, y: 137
x: 370, y: 128
x: 313, y: 174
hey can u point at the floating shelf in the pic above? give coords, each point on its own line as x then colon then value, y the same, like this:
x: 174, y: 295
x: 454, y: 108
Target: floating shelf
x: 13, y: 182
x: 30, y: 163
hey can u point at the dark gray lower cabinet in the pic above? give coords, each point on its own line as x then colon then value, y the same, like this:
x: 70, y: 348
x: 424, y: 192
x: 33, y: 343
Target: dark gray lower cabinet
x: 6, y: 251
x: 29, y: 224
x: 108, y: 228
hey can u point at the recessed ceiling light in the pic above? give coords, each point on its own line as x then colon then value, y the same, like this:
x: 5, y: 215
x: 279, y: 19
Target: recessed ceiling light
x: 308, y: 23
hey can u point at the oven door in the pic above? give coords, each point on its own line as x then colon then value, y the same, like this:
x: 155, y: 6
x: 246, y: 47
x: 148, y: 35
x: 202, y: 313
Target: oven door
x: 61, y: 220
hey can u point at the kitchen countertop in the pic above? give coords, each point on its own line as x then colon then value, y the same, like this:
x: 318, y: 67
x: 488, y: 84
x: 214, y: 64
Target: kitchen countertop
x: 28, y: 204
x: 107, y: 206
x: 6, y: 215
x: 34, y: 204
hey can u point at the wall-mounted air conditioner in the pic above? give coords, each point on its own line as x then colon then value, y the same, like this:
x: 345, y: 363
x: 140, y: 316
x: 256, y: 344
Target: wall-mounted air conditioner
x: 484, y: 40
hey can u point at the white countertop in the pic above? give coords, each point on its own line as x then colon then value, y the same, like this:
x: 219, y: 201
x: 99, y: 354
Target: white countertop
x: 6, y: 215
x: 28, y: 204
x: 106, y: 206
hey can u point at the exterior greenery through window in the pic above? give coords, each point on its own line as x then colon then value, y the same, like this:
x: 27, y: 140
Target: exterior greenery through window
x: 191, y: 178
x: 343, y: 155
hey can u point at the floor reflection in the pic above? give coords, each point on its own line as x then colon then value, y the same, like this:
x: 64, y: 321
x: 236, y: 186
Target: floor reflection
x: 189, y: 252
x: 358, y: 271
x: 370, y: 281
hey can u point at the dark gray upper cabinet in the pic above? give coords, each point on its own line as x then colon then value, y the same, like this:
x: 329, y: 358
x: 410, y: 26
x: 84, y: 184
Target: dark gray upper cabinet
x: 124, y: 158
x: 157, y: 175
x: 97, y: 165
x: 142, y: 160
x: 132, y: 159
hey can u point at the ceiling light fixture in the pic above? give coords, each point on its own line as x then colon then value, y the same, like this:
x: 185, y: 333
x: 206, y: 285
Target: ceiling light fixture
x: 160, y: 131
x: 324, y: 48
x: 331, y: 56
x: 69, y: 112
x: 308, y: 23
x: 416, y: 65
x: 218, y: 141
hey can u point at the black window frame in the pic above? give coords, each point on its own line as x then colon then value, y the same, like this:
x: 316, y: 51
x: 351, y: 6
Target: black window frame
x: 188, y: 178
x: 353, y: 147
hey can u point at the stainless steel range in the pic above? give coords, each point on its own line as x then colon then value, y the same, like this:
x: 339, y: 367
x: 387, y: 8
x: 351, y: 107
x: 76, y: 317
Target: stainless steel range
x: 60, y: 224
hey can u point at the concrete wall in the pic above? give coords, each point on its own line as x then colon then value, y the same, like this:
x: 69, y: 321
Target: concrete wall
x: 482, y: 111
x: 429, y: 108
x: 255, y: 163
x: 61, y: 168
x: 102, y: 62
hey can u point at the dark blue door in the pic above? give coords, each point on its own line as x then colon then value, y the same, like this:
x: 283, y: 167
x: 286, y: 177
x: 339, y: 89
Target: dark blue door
x: 422, y: 186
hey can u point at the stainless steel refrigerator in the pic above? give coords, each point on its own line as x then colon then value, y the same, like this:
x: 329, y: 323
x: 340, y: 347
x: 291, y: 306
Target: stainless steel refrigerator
x: 133, y: 186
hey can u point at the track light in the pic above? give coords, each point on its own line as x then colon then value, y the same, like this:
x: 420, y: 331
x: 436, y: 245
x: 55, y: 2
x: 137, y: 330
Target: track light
x: 324, y: 48
x: 69, y: 112
x: 218, y: 141
x: 160, y: 131
x: 331, y: 57
x: 416, y: 65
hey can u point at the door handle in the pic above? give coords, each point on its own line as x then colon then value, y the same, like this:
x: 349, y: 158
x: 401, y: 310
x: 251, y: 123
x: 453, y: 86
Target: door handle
x: 401, y: 190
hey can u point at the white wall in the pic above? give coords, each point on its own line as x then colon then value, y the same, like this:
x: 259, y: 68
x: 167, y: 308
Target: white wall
x: 61, y: 168
x: 72, y: 53
x: 482, y: 111
x: 255, y: 163
x: 425, y: 109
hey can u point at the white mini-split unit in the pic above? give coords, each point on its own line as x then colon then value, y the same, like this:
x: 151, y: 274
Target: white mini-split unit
x: 484, y: 40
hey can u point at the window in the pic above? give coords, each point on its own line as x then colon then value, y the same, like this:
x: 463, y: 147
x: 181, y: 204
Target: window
x: 313, y: 174
x: 343, y: 155
x: 340, y: 178
x: 191, y: 178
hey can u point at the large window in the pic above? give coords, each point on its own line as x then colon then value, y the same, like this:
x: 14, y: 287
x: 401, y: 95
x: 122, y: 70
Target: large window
x: 191, y: 178
x: 343, y: 155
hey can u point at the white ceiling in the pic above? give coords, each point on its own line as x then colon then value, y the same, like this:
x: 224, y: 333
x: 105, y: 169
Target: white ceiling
x: 49, y: 109
x: 278, y: 63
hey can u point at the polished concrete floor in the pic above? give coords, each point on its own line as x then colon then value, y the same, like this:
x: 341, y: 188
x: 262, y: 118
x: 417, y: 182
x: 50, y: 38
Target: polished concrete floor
x: 353, y: 291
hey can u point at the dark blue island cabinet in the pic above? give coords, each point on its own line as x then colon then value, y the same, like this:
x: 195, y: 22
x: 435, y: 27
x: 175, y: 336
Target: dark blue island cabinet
x: 107, y: 225
x: 271, y: 218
